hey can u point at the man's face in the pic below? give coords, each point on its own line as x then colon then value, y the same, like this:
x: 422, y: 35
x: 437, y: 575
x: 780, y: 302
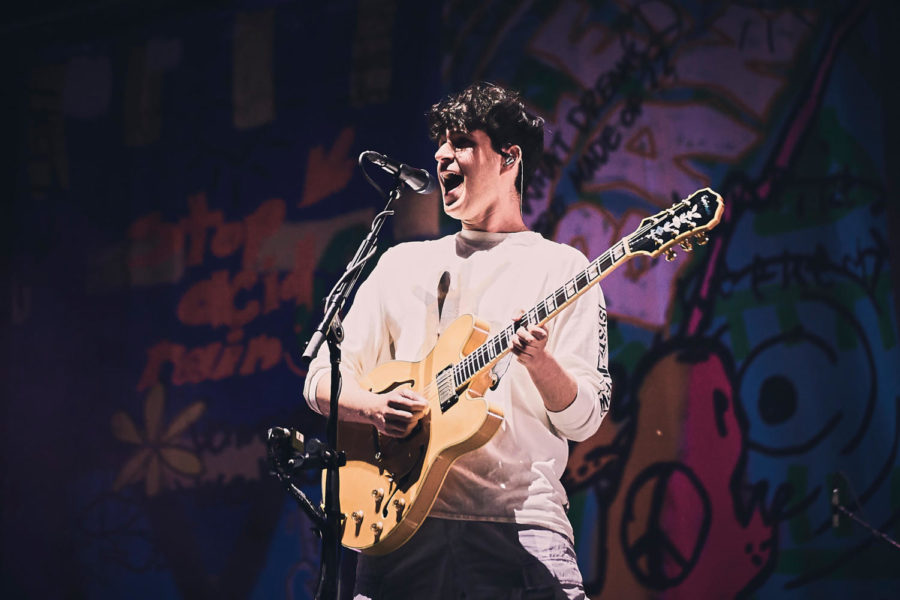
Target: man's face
x: 469, y: 173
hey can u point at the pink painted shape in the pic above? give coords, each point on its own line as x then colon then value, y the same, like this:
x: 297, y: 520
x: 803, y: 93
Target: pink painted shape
x: 685, y: 133
x: 731, y: 57
x: 725, y: 565
x: 589, y: 48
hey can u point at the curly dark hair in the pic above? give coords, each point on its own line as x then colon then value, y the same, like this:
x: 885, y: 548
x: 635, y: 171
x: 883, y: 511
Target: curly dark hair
x: 497, y: 111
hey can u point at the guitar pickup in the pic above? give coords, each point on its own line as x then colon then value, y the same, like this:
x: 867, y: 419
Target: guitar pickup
x: 446, y: 403
x: 446, y: 386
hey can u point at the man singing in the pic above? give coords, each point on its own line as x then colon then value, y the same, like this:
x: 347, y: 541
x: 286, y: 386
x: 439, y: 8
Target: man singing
x: 498, y: 528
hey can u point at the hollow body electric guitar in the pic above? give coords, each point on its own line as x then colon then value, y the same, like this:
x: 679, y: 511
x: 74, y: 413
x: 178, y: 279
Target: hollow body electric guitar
x: 389, y: 484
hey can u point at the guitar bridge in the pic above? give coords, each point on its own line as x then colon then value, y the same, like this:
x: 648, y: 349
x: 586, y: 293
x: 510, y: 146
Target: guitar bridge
x: 446, y: 386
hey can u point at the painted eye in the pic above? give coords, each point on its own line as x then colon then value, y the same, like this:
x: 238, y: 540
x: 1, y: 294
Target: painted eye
x: 791, y: 385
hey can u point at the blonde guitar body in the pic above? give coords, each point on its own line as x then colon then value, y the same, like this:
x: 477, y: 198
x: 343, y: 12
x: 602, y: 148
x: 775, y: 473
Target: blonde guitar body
x: 388, y: 484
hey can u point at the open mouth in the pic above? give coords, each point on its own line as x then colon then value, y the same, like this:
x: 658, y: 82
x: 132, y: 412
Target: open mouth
x: 451, y: 180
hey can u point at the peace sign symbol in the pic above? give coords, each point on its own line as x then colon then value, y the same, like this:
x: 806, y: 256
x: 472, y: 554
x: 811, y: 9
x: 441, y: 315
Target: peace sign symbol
x: 666, y: 521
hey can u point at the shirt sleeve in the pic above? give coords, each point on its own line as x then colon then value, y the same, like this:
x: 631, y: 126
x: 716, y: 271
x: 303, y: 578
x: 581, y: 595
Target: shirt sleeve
x: 579, y: 343
x: 366, y: 335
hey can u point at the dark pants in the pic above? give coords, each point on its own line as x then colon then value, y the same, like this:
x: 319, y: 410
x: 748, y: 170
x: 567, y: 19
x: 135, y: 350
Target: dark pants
x: 449, y: 559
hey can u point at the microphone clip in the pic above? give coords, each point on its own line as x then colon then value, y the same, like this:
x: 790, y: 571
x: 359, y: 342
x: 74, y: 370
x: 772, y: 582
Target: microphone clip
x: 290, y: 453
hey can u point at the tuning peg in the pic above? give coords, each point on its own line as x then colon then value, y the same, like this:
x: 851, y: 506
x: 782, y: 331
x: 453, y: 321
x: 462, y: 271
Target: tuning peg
x: 670, y: 254
x: 686, y: 245
x: 701, y: 238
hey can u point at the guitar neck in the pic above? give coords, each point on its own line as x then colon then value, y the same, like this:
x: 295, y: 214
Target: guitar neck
x: 686, y: 222
x: 497, y: 346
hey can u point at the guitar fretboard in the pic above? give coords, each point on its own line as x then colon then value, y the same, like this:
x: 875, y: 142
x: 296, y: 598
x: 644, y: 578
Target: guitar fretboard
x: 498, y: 345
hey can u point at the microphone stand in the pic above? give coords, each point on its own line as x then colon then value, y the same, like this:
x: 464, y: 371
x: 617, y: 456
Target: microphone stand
x: 327, y: 456
x: 838, y: 509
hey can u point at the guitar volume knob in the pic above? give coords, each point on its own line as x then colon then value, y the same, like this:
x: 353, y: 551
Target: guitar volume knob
x: 377, y: 527
x: 357, y: 516
x: 378, y: 494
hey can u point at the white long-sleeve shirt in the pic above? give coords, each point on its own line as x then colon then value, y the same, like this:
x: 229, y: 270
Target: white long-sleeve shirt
x: 399, y: 313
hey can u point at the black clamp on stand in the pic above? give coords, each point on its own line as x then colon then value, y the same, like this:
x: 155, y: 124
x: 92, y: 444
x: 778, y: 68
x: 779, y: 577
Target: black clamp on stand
x: 287, y: 451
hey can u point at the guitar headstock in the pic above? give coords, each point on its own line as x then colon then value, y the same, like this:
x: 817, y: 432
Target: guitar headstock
x: 686, y: 222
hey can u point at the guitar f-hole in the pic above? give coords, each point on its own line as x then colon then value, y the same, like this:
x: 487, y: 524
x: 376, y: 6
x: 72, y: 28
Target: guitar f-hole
x: 385, y: 510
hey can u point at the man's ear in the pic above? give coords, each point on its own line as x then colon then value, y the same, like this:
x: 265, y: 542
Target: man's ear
x: 511, y: 155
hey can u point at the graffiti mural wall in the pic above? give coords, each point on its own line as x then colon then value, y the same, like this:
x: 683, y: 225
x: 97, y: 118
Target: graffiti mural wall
x: 186, y: 191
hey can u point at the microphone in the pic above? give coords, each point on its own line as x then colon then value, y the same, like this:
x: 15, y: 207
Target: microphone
x: 278, y: 433
x: 835, y: 514
x: 418, y: 180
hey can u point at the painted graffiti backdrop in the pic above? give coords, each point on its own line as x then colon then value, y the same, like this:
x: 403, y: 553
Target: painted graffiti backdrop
x: 186, y: 191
